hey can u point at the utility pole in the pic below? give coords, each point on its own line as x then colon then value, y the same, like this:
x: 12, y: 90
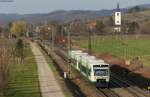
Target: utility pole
x: 50, y: 39
x: 125, y: 41
x: 69, y: 48
x: 69, y: 59
x: 89, y: 41
x: 90, y: 26
x: 126, y: 37
x: 53, y: 29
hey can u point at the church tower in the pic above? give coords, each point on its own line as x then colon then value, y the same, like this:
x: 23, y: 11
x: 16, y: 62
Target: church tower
x: 117, y: 19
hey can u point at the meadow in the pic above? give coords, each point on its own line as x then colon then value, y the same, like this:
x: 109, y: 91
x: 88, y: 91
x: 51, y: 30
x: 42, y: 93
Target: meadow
x: 23, y: 78
x: 127, y: 47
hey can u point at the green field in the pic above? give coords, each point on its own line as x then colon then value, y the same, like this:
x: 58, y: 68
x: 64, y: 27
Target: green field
x: 23, y: 78
x: 115, y: 46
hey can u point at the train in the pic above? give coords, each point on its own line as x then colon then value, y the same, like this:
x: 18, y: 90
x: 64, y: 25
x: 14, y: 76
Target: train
x: 97, y: 71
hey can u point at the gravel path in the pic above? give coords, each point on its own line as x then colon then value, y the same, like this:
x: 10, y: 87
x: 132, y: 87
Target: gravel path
x: 48, y: 84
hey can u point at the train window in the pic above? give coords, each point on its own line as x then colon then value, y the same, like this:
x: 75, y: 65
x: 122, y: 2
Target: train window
x: 104, y: 65
x: 101, y: 72
x: 96, y: 66
x: 73, y: 61
x: 89, y: 72
x: 80, y: 65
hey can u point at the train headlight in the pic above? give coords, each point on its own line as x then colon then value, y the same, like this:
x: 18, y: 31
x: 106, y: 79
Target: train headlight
x: 107, y: 79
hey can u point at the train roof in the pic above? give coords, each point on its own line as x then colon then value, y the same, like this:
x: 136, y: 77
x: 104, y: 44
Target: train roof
x: 87, y: 57
x: 92, y: 57
x: 97, y: 62
x: 93, y: 62
x: 84, y: 54
x: 75, y: 51
x: 100, y: 60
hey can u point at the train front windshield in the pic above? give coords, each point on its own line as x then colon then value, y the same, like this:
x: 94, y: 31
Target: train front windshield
x: 101, y: 72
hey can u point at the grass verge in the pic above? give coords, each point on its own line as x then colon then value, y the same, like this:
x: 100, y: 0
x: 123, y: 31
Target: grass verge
x: 23, y: 78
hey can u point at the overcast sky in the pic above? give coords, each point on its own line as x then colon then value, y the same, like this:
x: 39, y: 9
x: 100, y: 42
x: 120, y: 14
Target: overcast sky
x: 44, y: 6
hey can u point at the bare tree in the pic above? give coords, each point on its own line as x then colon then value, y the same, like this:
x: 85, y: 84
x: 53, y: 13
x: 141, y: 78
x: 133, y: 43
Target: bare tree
x: 4, y: 63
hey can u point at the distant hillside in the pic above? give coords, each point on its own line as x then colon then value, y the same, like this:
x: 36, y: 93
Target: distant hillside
x: 139, y: 8
x: 64, y: 16
x: 144, y: 6
x: 137, y: 16
x: 61, y: 16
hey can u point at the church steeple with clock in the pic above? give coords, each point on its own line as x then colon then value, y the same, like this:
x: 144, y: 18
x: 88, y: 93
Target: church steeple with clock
x: 118, y: 19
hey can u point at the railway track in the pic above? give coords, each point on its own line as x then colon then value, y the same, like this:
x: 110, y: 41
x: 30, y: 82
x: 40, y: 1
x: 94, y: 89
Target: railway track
x: 100, y: 92
x: 133, y: 89
x: 126, y: 86
x: 106, y: 92
x: 81, y: 85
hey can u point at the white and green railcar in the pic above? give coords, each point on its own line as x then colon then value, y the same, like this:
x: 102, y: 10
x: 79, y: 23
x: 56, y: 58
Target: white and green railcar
x: 75, y: 56
x: 101, y: 73
x: 96, y: 71
x: 83, y: 64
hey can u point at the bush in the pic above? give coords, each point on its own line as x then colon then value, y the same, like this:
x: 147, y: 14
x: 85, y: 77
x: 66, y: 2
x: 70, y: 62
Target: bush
x: 133, y: 27
x: 20, y: 49
x: 145, y: 28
